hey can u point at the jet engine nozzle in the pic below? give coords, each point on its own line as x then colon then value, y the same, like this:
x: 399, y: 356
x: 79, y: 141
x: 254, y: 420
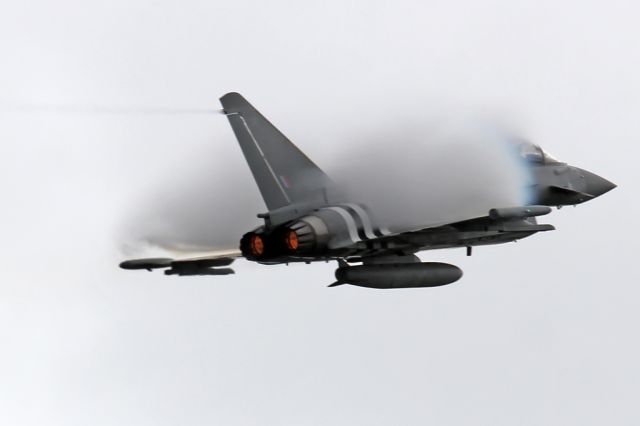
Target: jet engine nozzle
x: 308, y: 235
x: 255, y: 246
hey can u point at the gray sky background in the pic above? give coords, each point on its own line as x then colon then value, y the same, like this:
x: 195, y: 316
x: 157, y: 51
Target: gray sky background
x: 539, y: 332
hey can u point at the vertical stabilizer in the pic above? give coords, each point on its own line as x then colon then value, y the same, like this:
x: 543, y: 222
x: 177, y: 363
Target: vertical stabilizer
x: 284, y: 174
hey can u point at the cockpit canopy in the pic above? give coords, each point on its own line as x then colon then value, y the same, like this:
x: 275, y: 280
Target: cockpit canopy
x: 534, y: 154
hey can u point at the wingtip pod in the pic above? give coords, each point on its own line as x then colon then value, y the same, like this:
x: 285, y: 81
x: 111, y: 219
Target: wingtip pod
x: 148, y: 264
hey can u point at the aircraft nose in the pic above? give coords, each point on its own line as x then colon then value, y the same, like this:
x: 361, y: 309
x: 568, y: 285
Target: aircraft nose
x: 596, y: 185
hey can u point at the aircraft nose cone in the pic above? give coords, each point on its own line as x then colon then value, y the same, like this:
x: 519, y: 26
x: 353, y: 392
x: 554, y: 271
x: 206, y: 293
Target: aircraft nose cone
x: 597, y: 185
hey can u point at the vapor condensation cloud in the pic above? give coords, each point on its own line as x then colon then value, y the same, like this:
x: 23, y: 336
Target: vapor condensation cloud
x: 424, y: 175
x: 410, y: 174
x: 201, y: 204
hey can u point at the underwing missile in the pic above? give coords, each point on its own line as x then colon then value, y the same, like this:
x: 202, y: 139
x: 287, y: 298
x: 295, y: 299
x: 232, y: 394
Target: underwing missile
x: 519, y: 212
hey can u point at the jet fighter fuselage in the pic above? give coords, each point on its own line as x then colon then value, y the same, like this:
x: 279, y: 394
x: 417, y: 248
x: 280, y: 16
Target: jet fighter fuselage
x: 309, y: 219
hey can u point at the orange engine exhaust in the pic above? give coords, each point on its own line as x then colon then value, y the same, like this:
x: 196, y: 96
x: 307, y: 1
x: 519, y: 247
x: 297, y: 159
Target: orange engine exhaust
x: 256, y: 245
x: 291, y: 240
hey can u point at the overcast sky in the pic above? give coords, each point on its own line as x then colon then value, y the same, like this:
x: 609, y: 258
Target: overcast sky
x: 539, y: 332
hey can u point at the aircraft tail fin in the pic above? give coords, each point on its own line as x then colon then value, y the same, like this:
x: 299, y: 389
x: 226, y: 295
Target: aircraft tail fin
x: 284, y: 174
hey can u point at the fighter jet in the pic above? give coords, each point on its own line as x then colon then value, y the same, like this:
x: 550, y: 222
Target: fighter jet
x: 310, y: 220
